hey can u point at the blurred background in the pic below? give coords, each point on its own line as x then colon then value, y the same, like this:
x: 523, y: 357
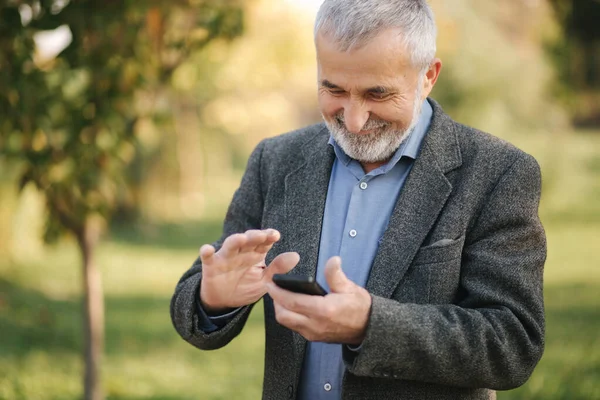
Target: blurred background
x: 125, y: 127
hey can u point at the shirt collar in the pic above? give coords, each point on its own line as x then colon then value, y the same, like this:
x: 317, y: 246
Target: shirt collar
x: 409, y: 148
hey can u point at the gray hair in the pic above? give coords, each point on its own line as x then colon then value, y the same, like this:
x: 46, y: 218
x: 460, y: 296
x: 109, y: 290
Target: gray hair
x: 352, y: 23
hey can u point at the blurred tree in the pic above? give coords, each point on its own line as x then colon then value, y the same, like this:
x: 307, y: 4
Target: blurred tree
x: 577, y: 57
x: 69, y: 121
x: 495, y: 73
x: 234, y: 94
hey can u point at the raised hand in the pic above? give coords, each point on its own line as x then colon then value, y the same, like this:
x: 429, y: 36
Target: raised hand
x: 236, y: 275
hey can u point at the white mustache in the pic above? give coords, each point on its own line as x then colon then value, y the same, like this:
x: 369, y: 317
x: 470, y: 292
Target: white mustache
x: 370, y: 124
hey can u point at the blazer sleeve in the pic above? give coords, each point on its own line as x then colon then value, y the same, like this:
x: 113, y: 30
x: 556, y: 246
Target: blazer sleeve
x: 494, y: 336
x: 244, y: 213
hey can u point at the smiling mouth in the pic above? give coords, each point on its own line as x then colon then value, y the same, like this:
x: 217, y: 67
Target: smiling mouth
x: 341, y: 125
x: 371, y: 131
x: 362, y: 133
x: 367, y: 131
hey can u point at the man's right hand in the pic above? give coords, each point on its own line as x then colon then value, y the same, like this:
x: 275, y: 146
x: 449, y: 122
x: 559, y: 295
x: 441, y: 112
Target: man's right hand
x: 237, y: 275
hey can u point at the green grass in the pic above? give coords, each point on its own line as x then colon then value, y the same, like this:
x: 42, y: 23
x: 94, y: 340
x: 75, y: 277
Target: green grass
x: 40, y: 311
x: 40, y: 325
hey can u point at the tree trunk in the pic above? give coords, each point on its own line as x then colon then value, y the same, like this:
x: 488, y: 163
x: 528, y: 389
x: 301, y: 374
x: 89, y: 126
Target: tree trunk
x: 93, y: 313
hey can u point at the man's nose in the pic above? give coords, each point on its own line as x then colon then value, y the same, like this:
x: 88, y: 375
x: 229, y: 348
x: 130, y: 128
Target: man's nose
x: 356, y: 116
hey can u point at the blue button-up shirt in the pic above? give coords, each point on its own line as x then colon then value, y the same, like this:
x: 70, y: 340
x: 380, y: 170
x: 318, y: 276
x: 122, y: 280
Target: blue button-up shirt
x: 357, y: 212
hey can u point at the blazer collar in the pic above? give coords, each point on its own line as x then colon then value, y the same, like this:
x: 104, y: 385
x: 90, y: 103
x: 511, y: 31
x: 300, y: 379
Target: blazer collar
x: 442, y: 140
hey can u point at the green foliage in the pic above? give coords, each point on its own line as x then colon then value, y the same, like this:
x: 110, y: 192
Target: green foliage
x: 71, y: 120
x: 576, y: 56
x: 579, y: 22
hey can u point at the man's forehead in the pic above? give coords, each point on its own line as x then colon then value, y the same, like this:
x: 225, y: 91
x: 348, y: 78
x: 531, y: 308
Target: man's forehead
x: 383, y: 54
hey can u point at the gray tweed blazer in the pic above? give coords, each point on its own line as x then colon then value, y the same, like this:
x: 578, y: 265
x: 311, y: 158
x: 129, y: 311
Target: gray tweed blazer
x: 456, y: 283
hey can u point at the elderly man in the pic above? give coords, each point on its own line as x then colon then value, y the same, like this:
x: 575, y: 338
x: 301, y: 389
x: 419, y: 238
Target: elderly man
x: 424, y: 232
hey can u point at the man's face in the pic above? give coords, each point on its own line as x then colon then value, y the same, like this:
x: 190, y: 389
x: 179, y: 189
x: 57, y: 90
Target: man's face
x: 370, y: 97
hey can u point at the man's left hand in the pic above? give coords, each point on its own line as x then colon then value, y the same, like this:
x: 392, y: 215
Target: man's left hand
x: 339, y: 317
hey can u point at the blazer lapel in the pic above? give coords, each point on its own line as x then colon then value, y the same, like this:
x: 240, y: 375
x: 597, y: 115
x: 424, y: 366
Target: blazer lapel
x: 421, y: 200
x: 305, y: 196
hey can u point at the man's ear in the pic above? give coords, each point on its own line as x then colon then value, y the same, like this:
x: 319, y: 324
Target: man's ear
x: 431, y: 76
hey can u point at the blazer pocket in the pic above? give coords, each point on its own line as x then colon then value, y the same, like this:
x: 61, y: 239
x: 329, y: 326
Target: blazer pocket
x: 441, y: 251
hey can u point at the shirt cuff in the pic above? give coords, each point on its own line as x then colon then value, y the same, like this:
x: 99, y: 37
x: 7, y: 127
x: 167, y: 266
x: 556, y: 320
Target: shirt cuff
x: 211, y: 323
x: 355, y: 349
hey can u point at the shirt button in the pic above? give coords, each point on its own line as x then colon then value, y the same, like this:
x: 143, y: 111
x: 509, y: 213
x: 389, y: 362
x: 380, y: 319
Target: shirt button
x: 327, y: 386
x: 363, y: 185
x: 352, y: 233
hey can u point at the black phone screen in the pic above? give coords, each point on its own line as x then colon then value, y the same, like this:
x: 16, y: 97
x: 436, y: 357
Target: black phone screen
x: 299, y: 284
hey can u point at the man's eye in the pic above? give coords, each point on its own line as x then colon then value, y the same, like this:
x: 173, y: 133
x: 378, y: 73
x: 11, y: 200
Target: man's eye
x: 337, y: 92
x: 380, y: 96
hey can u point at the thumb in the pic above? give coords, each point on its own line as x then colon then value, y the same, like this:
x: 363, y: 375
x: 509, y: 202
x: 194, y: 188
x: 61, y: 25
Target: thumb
x: 282, y: 264
x: 336, y: 279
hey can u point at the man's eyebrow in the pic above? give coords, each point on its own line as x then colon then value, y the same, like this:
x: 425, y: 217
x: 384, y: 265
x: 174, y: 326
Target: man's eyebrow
x: 375, y: 89
x: 329, y: 85
x: 379, y: 90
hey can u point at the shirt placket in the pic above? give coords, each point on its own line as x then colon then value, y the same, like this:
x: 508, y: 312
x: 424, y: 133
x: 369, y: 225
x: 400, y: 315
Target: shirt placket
x: 355, y: 235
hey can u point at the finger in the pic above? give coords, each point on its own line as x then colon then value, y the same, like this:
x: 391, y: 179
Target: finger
x: 232, y: 245
x: 206, y: 254
x: 282, y: 264
x: 264, y: 248
x: 269, y: 236
x: 254, y: 238
x: 273, y: 236
x: 289, y: 318
x: 304, y: 304
x: 336, y: 279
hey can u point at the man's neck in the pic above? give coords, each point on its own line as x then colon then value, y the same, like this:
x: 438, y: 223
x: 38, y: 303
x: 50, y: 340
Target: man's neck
x: 368, y: 167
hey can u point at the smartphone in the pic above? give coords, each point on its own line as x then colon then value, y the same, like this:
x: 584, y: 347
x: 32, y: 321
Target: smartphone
x: 299, y: 284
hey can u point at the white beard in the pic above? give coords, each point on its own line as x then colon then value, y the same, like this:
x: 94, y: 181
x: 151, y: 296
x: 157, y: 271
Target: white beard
x: 379, y: 145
